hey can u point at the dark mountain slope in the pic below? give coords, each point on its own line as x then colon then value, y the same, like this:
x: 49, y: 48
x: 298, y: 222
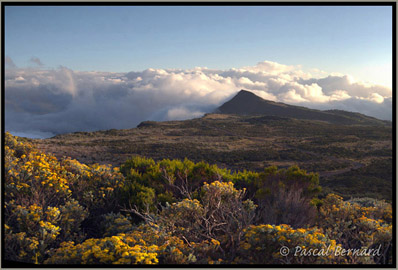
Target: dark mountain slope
x: 247, y: 103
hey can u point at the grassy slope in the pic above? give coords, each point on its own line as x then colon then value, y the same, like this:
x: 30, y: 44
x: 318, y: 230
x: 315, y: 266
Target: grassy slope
x: 344, y: 156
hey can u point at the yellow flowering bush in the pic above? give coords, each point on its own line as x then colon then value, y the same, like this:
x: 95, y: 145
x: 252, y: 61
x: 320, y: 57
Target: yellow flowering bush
x: 262, y: 244
x: 20, y: 247
x: 227, y: 212
x: 95, y: 186
x: 39, y: 210
x: 30, y: 232
x: 217, y: 219
x: 145, y: 245
x: 71, y: 218
x: 174, y: 249
x: 221, y: 213
x: 355, y: 226
x: 119, y: 249
x: 36, y: 177
x: 18, y: 146
x: 375, y: 209
x: 66, y: 212
x: 184, y: 219
x: 46, y: 227
x: 177, y: 250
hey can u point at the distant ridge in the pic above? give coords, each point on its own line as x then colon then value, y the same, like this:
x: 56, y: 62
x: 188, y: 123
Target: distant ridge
x: 247, y: 103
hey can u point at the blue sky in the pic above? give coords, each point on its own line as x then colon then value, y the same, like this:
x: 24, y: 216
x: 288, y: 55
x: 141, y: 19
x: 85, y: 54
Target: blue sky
x: 349, y: 40
x: 271, y: 51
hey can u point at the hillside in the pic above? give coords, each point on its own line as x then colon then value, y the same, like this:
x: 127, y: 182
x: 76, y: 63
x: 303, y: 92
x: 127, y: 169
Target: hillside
x: 351, y: 152
x: 247, y: 103
x: 341, y: 154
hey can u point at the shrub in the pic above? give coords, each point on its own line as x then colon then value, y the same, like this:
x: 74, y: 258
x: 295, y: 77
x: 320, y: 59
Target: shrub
x: 109, y: 250
x: 286, y: 197
x: 145, y: 245
x: 31, y: 232
x: 97, y: 187
x: 356, y: 227
x: 150, y: 183
x: 261, y: 244
x: 114, y: 224
x: 220, y: 215
x: 35, y: 178
x: 70, y: 220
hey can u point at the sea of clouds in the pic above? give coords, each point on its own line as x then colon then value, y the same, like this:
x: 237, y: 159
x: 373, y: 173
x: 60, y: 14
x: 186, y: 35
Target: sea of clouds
x: 43, y: 103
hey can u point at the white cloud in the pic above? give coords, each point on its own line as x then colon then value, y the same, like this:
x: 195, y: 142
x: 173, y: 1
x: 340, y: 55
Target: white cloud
x: 339, y: 95
x: 63, y: 100
x: 376, y: 98
x: 181, y: 113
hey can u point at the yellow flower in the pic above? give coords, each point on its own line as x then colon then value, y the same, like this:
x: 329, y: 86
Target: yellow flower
x: 246, y: 246
x: 215, y: 242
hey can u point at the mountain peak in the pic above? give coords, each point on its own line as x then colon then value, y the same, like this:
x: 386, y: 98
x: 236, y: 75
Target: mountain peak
x: 248, y: 103
x: 244, y: 103
x: 245, y: 93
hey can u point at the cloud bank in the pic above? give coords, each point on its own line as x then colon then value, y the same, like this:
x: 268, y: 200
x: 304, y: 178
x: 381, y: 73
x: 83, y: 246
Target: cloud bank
x: 41, y: 103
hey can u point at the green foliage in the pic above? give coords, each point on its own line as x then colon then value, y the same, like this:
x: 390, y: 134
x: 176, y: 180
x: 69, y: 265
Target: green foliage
x: 114, y: 224
x: 149, y: 183
x: 70, y: 220
x: 293, y: 177
x: 286, y: 196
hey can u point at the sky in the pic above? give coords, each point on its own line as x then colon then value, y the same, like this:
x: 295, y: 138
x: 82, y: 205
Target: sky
x: 74, y: 59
